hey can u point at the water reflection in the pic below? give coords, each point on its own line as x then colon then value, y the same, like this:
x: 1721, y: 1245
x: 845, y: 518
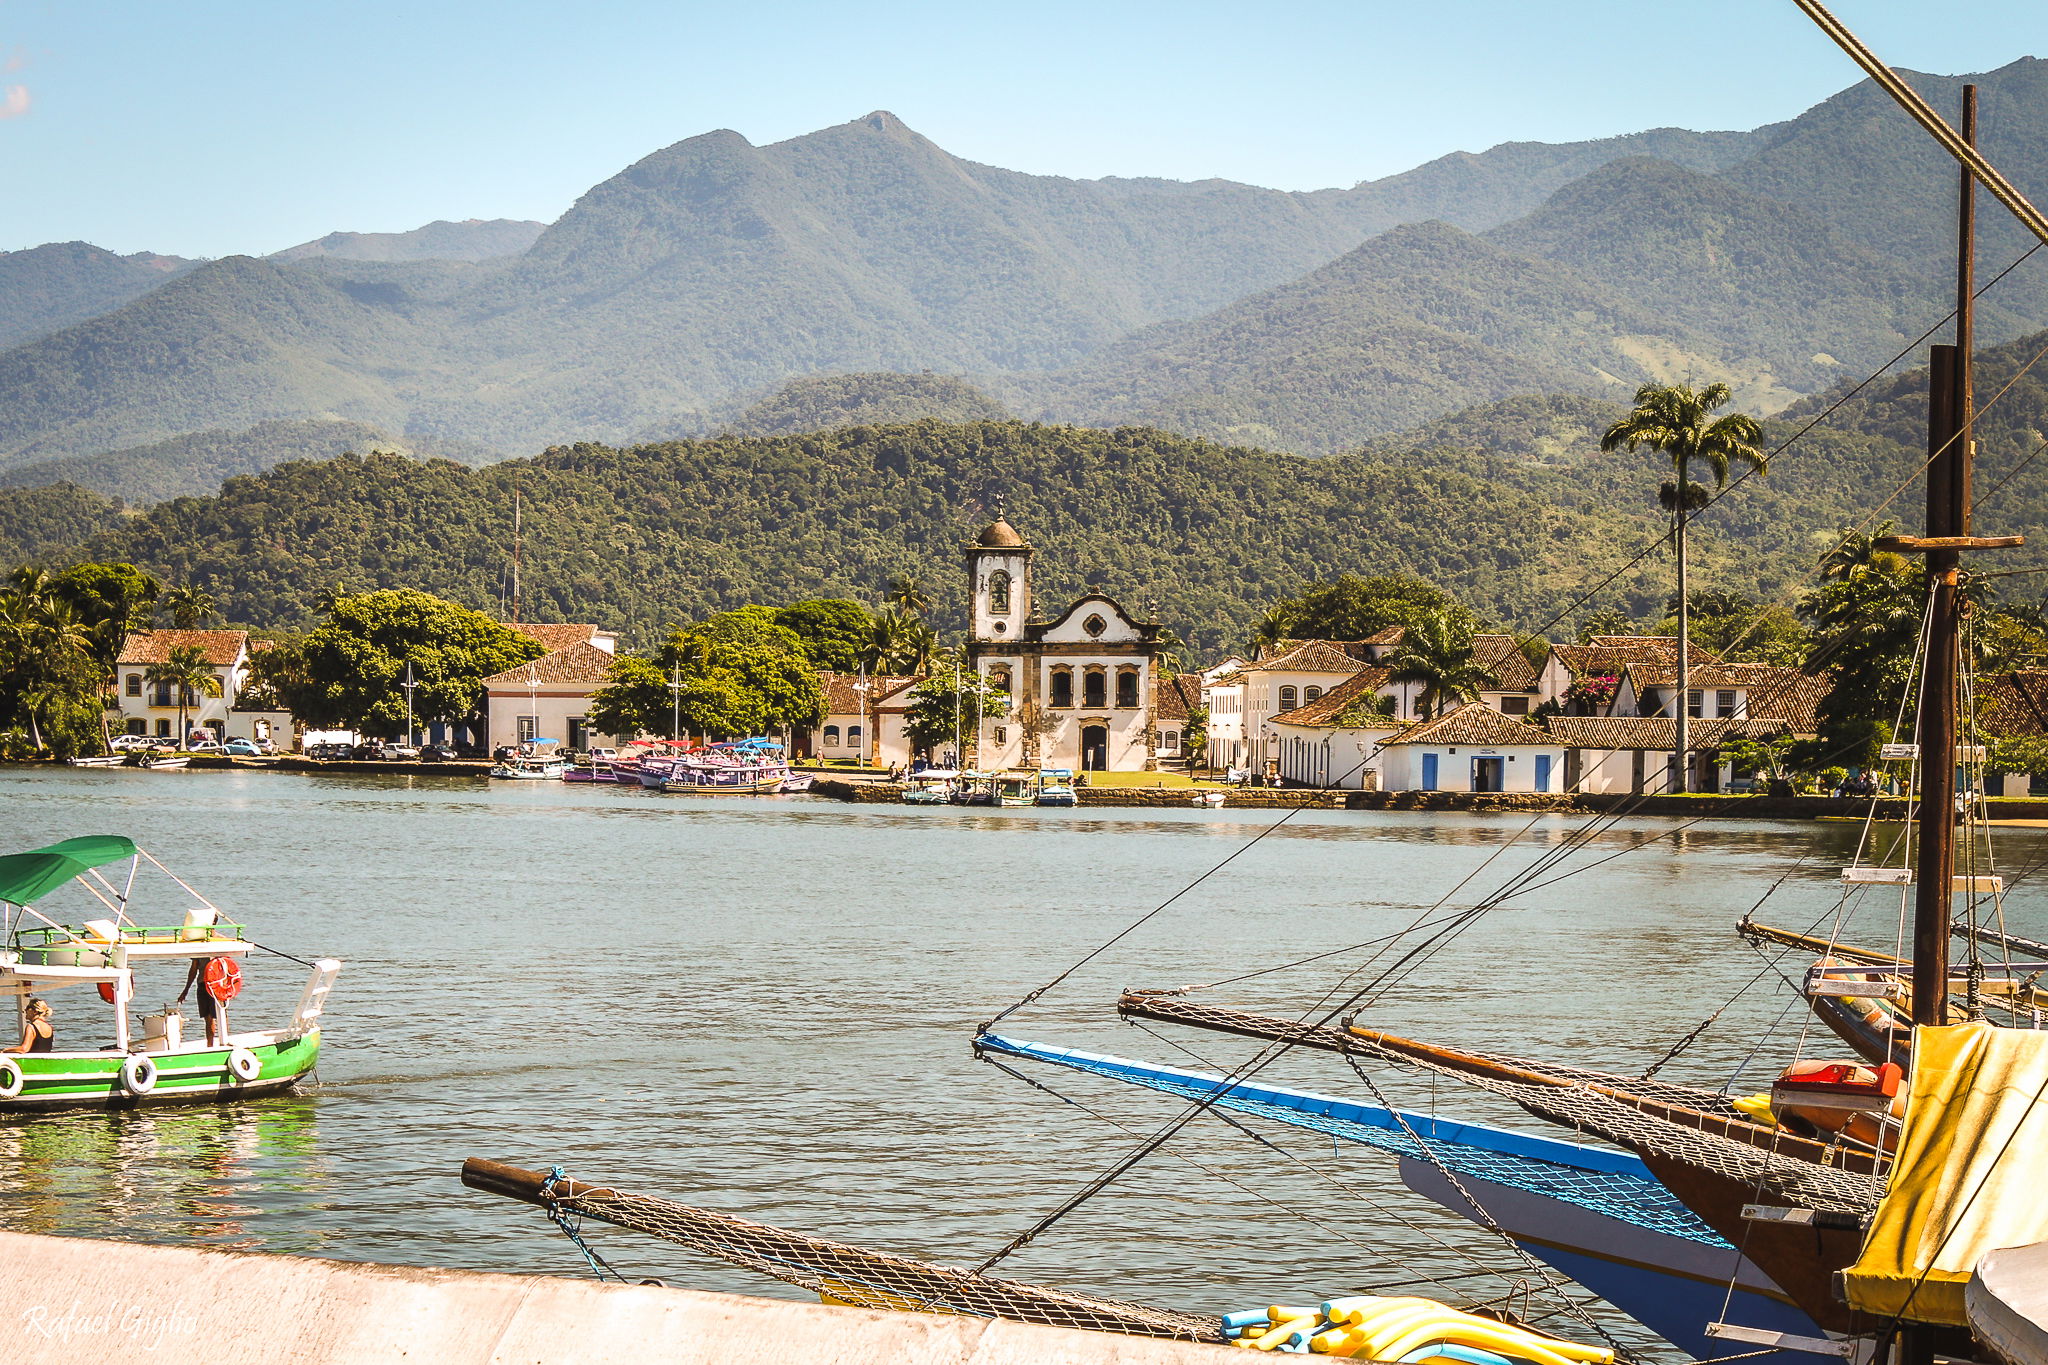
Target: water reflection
x: 200, y: 1173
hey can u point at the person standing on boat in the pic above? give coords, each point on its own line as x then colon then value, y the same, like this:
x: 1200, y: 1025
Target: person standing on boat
x: 213, y: 1011
x: 38, y: 1034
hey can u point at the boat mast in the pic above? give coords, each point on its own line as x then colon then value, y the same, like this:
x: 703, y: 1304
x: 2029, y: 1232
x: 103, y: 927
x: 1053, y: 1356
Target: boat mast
x: 1949, y: 399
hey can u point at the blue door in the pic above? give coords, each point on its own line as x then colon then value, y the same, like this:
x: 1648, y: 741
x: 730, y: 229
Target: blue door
x: 1429, y: 772
x: 1543, y: 772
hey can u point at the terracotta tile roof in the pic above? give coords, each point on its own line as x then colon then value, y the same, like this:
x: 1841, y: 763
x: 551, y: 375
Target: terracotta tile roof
x: 1473, y: 723
x: 842, y: 697
x: 1653, y: 732
x: 1501, y: 656
x: 2014, y: 704
x: 1171, y: 697
x: 1392, y: 635
x: 1310, y: 656
x: 220, y: 648
x: 553, y: 636
x: 579, y: 663
x: 1607, y: 655
x: 1355, y: 648
x: 1325, y: 709
x: 1774, y: 693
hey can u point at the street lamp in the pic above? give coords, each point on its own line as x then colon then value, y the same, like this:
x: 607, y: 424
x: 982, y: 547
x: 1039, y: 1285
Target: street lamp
x: 675, y: 687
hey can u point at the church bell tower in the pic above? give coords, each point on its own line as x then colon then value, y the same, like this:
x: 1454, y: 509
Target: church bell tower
x: 998, y: 583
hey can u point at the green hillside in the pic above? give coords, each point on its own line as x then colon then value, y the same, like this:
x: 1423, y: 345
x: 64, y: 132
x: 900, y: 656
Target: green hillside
x: 47, y: 288
x: 198, y: 463
x: 846, y: 400
x: 1417, y: 321
x: 473, y: 239
x: 1205, y: 535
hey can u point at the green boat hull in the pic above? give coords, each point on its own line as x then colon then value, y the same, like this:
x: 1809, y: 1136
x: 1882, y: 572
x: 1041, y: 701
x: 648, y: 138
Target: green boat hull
x: 92, y: 1080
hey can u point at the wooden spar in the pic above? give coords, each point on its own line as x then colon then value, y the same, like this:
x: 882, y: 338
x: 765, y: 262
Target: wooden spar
x: 1368, y: 1042
x: 516, y: 1182
x: 1973, y: 162
x: 1820, y: 947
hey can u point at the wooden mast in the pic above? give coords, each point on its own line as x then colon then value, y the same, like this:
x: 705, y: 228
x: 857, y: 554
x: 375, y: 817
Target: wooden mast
x: 1948, y: 517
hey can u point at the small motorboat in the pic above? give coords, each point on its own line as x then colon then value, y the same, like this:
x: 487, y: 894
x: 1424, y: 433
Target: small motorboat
x: 797, y: 783
x: 109, y: 953
x: 529, y: 767
x: 1016, y: 789
x: 102, y: 761
x: 1208, y: 798
x: 932, y: 787
x: 1056, y: 787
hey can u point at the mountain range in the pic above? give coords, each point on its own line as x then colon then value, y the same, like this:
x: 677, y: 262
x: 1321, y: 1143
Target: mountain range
x: 715, y: 285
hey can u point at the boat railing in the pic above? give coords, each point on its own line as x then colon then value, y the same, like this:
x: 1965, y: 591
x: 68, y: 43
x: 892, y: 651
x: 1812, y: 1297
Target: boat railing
x: 29, y: 939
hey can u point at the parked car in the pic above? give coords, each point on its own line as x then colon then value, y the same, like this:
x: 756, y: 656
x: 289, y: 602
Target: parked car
x: 435, y: 753
x: 203, y: 746
x: 242, y: 748
x: 128, y: 744
x: 327, y: 750
x: 397, y: 749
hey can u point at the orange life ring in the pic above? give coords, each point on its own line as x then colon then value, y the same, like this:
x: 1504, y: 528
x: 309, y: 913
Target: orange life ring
x: 223, y: 978
x: 107, y: 991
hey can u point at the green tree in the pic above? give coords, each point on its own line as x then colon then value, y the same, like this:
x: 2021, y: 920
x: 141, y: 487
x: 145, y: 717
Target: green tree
x: 743, y: 674
x: 1437, y: 652
x: 902, y: 645
x: 1606, y: 621
x: 1352, y: 608
x: 112, y: 600
x: 932, y: 714
x: 351, y: 670
x: 907, y: 595
x: 186, y: 671
x: 188, y: 607
x: 833, y: 631
x: 1866, y: 626
x: 52, y: 686
x: 635, y: 700
x: 1678, y: 422
x: 1740, y: 629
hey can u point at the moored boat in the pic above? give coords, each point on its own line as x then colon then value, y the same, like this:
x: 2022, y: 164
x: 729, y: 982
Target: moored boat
x: 110, y: 950
x: 1056, y: 787
x: 932, y: 787
x: 530, y: 768
x: 1016, y: 789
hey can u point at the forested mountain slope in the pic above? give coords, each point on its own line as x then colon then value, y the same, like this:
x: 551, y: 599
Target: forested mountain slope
x: 1204, y: 535
x: 197, y: 463
x: 47, y: 288
x: 472, y: 239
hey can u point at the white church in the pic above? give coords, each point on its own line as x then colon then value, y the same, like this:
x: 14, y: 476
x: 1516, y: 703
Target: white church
x: 1080, y: 684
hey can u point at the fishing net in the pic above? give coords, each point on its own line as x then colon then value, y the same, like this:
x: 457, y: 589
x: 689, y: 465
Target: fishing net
x: 1567, y: 1096
x: 841, y: 1273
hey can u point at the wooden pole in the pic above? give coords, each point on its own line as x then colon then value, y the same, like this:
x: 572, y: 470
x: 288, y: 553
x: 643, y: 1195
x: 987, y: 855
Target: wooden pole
x: 1948, y: 514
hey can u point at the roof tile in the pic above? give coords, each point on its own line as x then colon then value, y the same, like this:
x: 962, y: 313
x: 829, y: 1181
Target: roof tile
x: 1473, y: 723
x: 220, y: 648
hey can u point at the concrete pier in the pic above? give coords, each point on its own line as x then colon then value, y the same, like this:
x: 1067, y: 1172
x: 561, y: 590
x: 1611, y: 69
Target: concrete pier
x: 72, y: 1301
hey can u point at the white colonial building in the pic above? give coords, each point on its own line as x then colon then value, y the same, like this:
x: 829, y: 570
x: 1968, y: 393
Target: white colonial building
x: 1080, y: 683
x: 549, y: 697
x: 866, y: 721
x: 1337, y: 742
x: 151, y: 708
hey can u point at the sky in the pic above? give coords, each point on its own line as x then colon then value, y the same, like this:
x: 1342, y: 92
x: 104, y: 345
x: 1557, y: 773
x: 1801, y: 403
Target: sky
x: 206, y: 129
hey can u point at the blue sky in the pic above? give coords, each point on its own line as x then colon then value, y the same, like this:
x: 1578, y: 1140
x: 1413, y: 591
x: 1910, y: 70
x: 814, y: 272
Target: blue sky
x: 202, y: 128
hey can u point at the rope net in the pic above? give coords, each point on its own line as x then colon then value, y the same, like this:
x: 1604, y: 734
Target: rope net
x: 1565, y: 1095
x: 842, y: 1273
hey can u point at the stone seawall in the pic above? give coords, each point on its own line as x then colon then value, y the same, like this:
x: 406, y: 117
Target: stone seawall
x: 1583, y: 803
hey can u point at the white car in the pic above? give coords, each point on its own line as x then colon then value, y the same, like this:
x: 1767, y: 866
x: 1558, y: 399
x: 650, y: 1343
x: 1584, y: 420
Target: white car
x: 125, y: 744
x: 203, y: 746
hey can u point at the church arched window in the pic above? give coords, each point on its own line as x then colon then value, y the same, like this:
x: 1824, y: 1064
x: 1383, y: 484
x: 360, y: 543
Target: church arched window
x: 1127, y: 688
x: 999, y: 593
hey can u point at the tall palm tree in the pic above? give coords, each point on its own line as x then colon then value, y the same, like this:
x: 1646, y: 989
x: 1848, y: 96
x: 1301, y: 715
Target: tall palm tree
x: 188, y: 607
x: 1436, y: 651
x: 185, y: 669
x: 908, y: 595
x: 1679, y: 422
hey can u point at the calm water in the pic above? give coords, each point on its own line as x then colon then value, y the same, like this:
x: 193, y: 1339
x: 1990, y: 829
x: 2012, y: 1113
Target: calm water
x: 765, y: 1008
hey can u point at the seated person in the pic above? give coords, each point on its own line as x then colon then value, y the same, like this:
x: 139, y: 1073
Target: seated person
x: 38, y: 1033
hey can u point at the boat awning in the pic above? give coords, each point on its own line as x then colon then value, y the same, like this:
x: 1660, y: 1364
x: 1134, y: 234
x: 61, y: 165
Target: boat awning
x: 27, y: 877
x: 1968, y: 1174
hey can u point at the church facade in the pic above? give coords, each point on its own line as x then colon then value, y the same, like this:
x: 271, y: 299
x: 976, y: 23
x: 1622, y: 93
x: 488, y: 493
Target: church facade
x: 1081, y: 684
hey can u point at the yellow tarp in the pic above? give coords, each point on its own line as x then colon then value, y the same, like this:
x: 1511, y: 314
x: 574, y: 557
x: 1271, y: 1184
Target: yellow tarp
x: 1970, y: 1173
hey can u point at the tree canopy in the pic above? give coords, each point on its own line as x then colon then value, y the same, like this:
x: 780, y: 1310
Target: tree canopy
x: 1353, y: 608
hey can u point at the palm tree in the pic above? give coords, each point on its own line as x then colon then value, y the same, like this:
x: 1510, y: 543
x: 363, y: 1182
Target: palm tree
x: 185, y: 668
x: 908, y: 595
x: 1678, y: 422
x: 187, y: 607
x: 1436, y: 651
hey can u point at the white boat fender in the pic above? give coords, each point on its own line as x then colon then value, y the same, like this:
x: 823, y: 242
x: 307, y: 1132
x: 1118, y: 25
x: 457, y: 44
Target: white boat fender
x: 138, y: 1074
x: 244, y: 1065
x: 10, y: 1078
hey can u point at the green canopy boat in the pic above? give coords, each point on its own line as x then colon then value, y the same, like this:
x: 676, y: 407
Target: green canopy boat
x: 106, y: 949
